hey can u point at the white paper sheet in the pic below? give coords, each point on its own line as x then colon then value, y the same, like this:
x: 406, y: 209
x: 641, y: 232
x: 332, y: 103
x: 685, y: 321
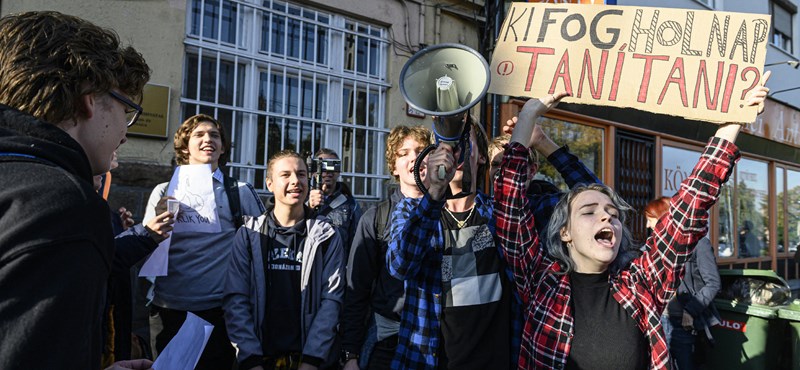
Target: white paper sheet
x: 193, y: 186
x: 184, y: 350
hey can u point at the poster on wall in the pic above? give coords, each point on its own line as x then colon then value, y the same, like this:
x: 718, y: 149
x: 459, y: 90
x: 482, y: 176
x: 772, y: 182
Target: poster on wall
x: 690, y: 63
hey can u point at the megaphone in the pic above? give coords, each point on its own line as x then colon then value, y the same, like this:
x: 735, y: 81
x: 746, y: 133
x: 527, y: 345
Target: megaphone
x: 445, y: 81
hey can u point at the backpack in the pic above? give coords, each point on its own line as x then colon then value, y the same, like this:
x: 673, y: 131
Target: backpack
x: 232, y: 191
x: 383, y: 213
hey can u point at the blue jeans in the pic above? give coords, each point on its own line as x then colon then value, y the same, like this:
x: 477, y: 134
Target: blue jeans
x: 681, y: 346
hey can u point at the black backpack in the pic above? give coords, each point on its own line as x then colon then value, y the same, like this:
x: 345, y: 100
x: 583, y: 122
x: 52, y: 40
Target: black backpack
x: 232, y: 191
x: 383, y: 213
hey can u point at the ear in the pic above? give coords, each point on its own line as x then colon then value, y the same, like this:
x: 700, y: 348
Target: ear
x: 87, y: 104
x: 565, y: 236
x: 269, y: 184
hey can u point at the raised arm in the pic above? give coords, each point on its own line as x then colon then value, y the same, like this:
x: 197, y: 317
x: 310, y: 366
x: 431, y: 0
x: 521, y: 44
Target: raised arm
x: 515, y: 222
x: 675, y: 236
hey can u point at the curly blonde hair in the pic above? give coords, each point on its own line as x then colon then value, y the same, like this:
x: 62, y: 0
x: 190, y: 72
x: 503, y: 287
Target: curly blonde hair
x: 394, y: 141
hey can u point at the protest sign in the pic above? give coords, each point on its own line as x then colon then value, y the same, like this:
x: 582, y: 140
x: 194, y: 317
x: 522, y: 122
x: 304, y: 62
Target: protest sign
x: 690, y: 63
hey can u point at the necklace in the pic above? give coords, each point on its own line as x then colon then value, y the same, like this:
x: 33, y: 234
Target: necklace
x: 460, y: 224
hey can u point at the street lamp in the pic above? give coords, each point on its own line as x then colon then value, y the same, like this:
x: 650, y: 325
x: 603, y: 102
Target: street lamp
x: 793, y: 63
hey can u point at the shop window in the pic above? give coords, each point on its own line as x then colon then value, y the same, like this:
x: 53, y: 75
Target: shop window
x: 788, y: 199
x: 586, y: 142
x: 752, y: 194
x: 782, y: 19
x: 284, y: 76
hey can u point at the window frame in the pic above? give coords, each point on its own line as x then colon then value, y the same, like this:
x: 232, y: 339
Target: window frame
x: 249, y: 61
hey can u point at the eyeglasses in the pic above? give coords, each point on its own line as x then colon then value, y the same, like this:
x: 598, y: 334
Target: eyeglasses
x: 131, y: 114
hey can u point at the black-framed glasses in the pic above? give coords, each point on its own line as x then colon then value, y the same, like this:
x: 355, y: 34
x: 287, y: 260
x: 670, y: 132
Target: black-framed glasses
x: 131, y: 114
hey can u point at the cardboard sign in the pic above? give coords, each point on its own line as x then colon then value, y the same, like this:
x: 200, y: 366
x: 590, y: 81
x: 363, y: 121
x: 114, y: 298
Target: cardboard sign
x: 689, y: 63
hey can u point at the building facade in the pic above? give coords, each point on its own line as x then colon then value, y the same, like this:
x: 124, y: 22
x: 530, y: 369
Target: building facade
x: 304, y: 75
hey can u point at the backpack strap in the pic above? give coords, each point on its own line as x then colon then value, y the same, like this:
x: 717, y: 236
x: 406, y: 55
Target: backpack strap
x: 382, y: 215
x: 232, y: 191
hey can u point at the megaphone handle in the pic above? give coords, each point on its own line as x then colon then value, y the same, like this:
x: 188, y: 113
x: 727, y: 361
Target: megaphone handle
x: 442, y: 173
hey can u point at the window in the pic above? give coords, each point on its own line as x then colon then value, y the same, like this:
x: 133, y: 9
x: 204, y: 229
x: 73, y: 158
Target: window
x: 742, y: 230
x: 787, y: 185
x: 752, y: 194
x: 782, y: 14
x: 586, y: 142
x: 282, y: 76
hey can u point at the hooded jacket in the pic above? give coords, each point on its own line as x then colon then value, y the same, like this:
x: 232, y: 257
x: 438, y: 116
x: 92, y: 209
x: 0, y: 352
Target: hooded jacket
x: 56, y: 249
x: 321, y: 284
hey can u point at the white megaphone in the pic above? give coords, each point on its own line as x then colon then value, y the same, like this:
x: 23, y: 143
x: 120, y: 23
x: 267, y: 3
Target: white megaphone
x: 445, y: 81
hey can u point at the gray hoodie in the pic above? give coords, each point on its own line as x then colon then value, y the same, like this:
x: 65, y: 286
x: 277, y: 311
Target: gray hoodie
x: 321, y: 285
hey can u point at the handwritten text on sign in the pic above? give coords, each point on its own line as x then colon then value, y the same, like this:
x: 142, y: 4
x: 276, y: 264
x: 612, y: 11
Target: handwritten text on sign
x: 690, y: 63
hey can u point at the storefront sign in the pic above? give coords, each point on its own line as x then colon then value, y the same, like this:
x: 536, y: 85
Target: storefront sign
x: 155, y: 116
x: 688, y: 63
x: 778, y: 123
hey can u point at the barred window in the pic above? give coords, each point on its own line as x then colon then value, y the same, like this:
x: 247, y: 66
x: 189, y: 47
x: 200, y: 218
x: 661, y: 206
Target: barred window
x: 283, y: 76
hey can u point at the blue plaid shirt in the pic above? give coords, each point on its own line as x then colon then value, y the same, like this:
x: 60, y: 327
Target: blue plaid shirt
x: 415, y: 256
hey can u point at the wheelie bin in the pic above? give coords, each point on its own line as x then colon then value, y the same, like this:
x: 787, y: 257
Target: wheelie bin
x: 750, y: 336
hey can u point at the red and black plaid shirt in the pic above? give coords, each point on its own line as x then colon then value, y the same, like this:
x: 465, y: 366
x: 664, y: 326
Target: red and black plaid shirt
x: 643, y: 288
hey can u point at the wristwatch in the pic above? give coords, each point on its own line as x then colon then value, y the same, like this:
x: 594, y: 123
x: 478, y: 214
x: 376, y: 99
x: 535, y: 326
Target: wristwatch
x: 347, y: 356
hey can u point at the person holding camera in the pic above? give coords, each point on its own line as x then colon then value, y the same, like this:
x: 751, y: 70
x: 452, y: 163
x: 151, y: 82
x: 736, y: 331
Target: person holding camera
x: 332, y: 198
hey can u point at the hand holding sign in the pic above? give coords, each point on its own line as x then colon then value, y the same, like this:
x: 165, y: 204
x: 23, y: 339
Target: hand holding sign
x: 755, y: 99
x: 526, y: 131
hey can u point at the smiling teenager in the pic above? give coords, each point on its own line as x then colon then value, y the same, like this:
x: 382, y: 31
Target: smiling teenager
x: 198, y: 261
x: 284, y: 285
x: 590, y: 301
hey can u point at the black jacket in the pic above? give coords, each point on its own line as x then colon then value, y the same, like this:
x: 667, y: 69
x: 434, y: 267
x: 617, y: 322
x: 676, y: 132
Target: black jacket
x: 56, y: 249
x: 370, y: 287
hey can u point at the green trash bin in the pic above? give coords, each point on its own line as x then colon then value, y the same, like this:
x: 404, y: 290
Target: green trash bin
x: 792, y: 352
x: 751, y: 336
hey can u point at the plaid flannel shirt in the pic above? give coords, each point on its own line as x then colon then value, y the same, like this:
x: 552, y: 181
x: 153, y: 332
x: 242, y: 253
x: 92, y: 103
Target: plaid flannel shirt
x: 643, y: 288
x: 415, y: 255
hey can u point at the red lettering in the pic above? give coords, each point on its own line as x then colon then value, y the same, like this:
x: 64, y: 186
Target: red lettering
x: 711, y: 102
x: 680, y: 81
x: 612, y: 95
x: 595, y: 89
x: 648, y: 66
x: 729, y: 82
x: 534, y: 51
x: 562, y: 73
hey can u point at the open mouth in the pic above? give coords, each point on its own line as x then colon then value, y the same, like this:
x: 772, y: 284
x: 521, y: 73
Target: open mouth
x: 208, y: 149
x: 605, y: 236
x: 294, y: 192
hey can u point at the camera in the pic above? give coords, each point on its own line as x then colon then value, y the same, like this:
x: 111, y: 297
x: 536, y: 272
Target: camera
x: 320, y: 165
x: 316, y: 166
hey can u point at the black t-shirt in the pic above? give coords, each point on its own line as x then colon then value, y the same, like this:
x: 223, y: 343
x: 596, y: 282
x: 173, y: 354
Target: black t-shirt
x: 283, y: 260
x: 606, y: 336
x: 476, y: 301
